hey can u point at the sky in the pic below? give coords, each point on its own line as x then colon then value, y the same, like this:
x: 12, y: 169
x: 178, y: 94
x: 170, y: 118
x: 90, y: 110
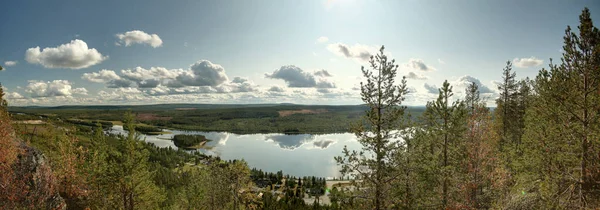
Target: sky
x: 280, y: 51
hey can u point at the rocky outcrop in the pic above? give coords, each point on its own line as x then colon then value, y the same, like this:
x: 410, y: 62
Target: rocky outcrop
x: 34, y: 170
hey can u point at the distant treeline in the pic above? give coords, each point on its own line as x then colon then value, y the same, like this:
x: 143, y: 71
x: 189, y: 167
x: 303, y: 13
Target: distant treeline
x: 91, y: 123
x: 146, y: 129
x: 234, y: 119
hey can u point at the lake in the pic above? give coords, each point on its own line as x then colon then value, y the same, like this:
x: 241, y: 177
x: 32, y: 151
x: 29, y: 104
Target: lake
x: 296, y: 155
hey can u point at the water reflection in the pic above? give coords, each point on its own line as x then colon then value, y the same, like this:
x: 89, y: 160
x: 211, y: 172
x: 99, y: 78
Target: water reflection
x: 323, y: 144
x: 298, y: 155
x: 290, y: 142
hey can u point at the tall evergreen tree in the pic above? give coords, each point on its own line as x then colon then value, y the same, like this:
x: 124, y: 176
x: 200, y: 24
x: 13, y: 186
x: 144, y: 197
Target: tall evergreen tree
x: 506, y: 107
x: 579, y: 77
x: 132, y: 175
x: 562, y: 125
x: 472, y: 99
x: 376, y: 165
x: 441, y: 146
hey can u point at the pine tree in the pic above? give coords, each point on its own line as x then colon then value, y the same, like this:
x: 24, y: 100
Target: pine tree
x: 376, y: 165
x: 481, y: 145
x: 443, y: 142
x: 562, y: 125
x: 506, y: 108
x: 472, y: 99
x: 131, y: 175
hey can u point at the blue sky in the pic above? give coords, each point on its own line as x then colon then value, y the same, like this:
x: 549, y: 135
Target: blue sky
x: 266, y: 51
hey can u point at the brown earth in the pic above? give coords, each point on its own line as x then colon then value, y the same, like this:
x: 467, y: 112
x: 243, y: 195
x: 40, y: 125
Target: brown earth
x: 285, y: 113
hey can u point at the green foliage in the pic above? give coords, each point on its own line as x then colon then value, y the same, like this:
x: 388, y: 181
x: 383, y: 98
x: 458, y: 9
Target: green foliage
x: 562, y: 127
x: 91, y: 123
x: 189, y: 141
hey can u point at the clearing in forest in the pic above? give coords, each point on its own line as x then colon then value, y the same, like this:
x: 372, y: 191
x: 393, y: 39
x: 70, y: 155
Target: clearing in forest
x: 285, y: 113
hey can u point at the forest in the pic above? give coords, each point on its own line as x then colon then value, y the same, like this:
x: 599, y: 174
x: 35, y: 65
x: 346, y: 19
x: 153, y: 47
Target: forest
x: 539, y: 148
x: 239, y: 119
x: 189, y: 141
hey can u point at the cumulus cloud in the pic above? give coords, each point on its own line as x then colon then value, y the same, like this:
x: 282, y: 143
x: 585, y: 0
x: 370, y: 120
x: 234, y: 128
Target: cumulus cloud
x: 103, y: 76
x: 202, y: 73
x: 10, y: 63
x: 359, y: 52
x: 14, y: 95
x: 296, y: 77
x: 276, y: 89
x: 140, y: 74
x: 432, y: 89
x: 203, y: 77
x: 73, y: 55
x: 323, y: 73
x: 119, y: 83
x: 418, y: 65
x: 39, y: 89
x: 139, y: 37
x: 463, y: 82
x: 322, y: 39
x: 412, y: 75
x: 411, y: 90
x: 239, y: 80
x: 527, y: 62
x: 80, y: 91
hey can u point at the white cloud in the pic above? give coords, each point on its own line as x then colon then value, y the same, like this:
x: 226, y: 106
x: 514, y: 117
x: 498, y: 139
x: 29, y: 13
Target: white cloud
x: 527, y: 62
x: 202, y: 73
x: 239, y: 80
x: 463, y: 82
x: 322, y: 39
x: 276, y: 89
x: 418, y: 65
x: 52, y: 88
x: 202, y: 77
x: 359, y: 52
x: 73, y: 55
x: 441, y: 61
x: 150, y: 78
x: 322, y: 73
x: 10, y: 63
x: 80, y: 91
x: 432, y: 89
x: 14, y: 95
x: 296, y: 77
x: 139, y: 37
x: 103, y: 76
x: 412, y: 75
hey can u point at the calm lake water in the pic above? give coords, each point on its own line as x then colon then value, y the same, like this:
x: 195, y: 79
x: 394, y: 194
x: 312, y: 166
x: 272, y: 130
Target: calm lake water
x: 297, y: 155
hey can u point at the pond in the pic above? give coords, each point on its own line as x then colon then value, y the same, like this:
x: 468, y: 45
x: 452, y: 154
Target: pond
x: 296, y: 155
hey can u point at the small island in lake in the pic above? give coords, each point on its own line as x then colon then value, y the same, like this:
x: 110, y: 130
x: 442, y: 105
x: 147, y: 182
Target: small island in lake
x: 189, y: 141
